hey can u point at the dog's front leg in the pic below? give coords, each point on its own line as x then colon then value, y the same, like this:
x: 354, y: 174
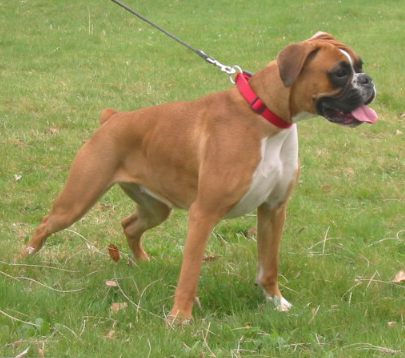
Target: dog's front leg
x: 200, y: 226
x: 270, y: 228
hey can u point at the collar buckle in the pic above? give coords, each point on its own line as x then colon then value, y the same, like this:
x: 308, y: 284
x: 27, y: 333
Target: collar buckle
x: 254, y: 101
x: 257, y: 105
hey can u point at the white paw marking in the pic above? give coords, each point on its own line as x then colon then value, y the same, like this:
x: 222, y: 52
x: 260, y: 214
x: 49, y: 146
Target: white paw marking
x: 281, y: 304
x: 30, y: 250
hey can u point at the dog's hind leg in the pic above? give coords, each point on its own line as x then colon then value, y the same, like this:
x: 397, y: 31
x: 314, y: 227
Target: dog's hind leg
x: 150, y: 213
x: 91, y: 175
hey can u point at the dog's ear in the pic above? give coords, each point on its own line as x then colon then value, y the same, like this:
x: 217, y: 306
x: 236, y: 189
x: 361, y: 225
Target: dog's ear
x: 291, y: 60
x: 320, y: 35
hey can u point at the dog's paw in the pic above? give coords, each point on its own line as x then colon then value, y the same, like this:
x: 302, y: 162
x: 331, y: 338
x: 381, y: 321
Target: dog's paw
x: 280, y: 303
x: 25, y: 252
x: 176, y: 318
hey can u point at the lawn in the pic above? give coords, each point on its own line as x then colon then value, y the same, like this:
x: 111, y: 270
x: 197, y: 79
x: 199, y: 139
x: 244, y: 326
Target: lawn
x: 61, y: 63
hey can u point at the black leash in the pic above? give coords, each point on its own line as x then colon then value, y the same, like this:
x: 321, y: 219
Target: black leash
x: 230, y: 70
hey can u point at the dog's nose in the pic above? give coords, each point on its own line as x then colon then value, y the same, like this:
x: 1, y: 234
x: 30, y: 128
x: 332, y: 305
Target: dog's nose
x: 365, y: 80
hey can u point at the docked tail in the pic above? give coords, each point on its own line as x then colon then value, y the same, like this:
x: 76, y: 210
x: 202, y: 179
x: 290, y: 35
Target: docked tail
x: 106, y: 114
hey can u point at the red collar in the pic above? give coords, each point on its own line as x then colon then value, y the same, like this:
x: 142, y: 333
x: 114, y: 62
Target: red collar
x: 242, y: 81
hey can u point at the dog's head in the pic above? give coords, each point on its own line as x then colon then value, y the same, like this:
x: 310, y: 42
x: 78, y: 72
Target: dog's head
x: 325, y: 77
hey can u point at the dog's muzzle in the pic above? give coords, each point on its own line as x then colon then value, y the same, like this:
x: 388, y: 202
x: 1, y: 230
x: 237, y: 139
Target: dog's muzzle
x: 349, y: 107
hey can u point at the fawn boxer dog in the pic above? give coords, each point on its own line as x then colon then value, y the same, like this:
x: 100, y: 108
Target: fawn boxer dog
x: 220, y: 156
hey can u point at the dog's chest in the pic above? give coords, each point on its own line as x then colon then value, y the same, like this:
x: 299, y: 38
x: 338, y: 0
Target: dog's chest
x: 274, y: 173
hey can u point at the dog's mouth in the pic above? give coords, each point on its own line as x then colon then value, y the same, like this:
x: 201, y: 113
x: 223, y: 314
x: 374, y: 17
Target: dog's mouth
x: 362, y: 114
x: 342, y: 112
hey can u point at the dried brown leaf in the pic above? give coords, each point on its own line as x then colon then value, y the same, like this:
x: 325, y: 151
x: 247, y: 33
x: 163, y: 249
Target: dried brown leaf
x: 211, y: 258
x: 118, y: 306
x: 114, y: 252
x: 53, y: 130
x: 109, y: 334
x: 400, y: 277
x: 349, y: 171
x: 111, y: 283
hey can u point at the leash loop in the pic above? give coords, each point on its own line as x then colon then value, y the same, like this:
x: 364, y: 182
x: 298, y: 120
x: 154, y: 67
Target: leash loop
x: 234, y: 68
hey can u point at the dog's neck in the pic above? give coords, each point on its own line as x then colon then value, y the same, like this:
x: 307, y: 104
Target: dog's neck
x: 274, y: 100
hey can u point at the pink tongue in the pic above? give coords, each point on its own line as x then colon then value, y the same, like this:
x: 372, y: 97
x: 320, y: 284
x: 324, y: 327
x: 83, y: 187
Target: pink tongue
x: 365, y: 114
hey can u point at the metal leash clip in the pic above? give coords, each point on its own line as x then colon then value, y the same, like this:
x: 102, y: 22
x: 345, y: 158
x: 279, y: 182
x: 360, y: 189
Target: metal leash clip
x: 230, y: 70
x: 227, y: 69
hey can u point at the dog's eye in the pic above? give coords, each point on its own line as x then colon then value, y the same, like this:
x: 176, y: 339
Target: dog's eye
x: 341, y: 73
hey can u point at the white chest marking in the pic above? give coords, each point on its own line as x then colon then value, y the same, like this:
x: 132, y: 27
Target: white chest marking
x: 302, y: 116
x: 274, y: 173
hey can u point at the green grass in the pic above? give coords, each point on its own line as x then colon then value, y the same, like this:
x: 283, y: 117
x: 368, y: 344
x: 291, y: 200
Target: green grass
x: 61, y: 63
